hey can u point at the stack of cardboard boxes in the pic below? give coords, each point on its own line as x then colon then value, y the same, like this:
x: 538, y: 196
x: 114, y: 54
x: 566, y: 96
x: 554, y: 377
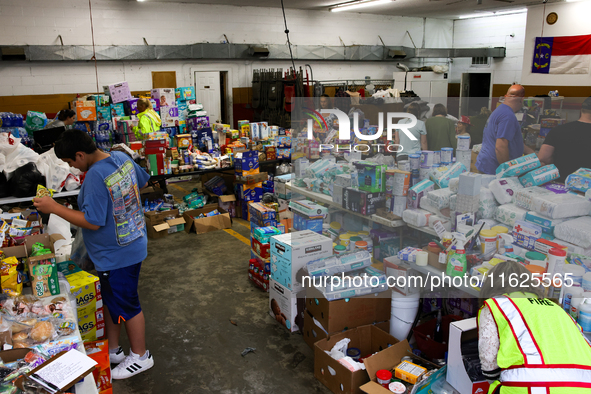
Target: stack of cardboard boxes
x: 246, y: 165
x: 86, y: 288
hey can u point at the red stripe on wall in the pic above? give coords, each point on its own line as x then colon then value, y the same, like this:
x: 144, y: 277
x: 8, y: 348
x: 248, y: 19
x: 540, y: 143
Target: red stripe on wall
x: 573, y: 45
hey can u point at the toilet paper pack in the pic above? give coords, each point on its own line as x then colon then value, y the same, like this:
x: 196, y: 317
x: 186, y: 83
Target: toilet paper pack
x: 518, y: 166
x: 509, y: 213
x: 576, y: 231
x: 539, y: 176
x: 580, y: 180
x: 504, y: 189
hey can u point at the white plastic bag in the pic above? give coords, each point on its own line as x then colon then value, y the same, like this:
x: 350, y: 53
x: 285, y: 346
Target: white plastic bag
x: 55, y: 170
x: 18, y: 158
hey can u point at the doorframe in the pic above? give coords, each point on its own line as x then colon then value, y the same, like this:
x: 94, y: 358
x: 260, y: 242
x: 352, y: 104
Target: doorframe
x: 229, y: 85
x: 480, y: 71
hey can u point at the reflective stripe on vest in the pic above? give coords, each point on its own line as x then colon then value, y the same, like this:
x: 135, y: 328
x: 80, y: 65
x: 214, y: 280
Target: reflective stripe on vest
x: 535, y: 374
x: 526, y: 342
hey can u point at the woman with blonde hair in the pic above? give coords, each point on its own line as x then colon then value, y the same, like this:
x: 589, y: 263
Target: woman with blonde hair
x: 528, y: 344
x: 148, y: 120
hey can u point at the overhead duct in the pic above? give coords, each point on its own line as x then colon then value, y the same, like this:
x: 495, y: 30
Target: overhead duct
x: 207, y: 51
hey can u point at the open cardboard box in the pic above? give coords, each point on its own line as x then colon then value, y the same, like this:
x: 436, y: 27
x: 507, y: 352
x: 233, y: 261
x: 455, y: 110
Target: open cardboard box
x: 386, y: 359
x: 368, y: 339
x: 457, y: 376
x: 312, y: 333
x: 207, y: 224
x: 151, y: 194
x: 48, y: 285
x: 339, y: 315
x: 159, y: 226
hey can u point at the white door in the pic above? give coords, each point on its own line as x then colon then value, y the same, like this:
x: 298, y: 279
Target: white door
x: 207, y: 88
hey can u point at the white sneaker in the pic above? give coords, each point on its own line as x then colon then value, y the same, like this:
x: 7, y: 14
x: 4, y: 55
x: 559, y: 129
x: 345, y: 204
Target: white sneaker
x: 132, y: 365
x: 117, y: 357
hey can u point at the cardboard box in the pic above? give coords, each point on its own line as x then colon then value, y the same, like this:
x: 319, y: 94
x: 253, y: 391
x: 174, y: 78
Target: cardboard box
x: 119, y: 92
x: 43, y: 269
x: 251, y: 179
x: 185, y: 93
x: 372, y: 176
x: 207, y: 224
x: 99, y: 352
x: 151, y: 194
x: 462, y: 331
x: 339, y: 315
x: 169, y: 116
x: 369, y: 340
x: 160, y: 224
x: 166, y: 96
x: 92, y: 325
x: 87, y: 290
x: 290, y: 253
x: 246, y: 163
x: 252, y: 192
x: 313, y: 333
x: 286, y: 306
x: 228, y: 204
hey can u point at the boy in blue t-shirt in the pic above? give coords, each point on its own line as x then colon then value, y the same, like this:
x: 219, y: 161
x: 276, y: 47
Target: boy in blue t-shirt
x: 112, y: 223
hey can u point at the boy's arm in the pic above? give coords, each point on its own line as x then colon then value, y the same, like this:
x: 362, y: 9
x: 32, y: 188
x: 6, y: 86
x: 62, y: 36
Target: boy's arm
x: 77, y: 218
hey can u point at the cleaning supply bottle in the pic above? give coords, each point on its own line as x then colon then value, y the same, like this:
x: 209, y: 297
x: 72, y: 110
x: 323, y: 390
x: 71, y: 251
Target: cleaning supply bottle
x: 457, y: 264
x: 584, y: 318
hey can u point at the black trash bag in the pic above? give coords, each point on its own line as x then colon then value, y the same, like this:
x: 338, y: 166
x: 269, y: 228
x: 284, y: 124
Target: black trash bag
x: 24, y: 181
x: 4, y: 187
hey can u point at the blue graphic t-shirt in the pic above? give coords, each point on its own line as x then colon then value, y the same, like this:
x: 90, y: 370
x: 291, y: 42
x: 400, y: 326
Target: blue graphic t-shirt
x: 110, y: 198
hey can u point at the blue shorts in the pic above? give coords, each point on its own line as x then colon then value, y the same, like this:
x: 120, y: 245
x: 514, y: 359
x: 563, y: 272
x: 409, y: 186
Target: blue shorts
x: 119, y: 291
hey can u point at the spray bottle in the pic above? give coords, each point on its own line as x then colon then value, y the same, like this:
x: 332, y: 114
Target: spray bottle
x: 505, y: 243
x: 457, y: 264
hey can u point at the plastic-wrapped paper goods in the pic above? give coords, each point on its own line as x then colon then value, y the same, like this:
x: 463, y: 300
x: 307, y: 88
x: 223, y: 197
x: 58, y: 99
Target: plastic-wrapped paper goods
x: 443, y: 175
x: 504, y: 189
x: 440, y: 197
x: 454, y: 185
x: 488, y: 204
x: 509, y: 213
x: 416, y: 217
x: 519, y: 166
x: 453, y: 200
x: 580, y: 180
x: 444, y: 221
x: 554, y: 206
x: 539, y: 176
x: 576, y: 231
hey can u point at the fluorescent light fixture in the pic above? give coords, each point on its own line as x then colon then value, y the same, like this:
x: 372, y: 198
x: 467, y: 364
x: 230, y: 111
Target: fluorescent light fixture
x: 141, y: 0
x: 485, y: 14
x: 358, y: 4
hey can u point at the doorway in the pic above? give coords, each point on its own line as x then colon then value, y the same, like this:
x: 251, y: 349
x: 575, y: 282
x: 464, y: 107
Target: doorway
x: 475, y: 93
x: 208, y: 89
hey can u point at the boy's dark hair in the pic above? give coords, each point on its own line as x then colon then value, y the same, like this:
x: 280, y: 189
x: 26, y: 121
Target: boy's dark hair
x: 65, y: 114
x: 72, y: 141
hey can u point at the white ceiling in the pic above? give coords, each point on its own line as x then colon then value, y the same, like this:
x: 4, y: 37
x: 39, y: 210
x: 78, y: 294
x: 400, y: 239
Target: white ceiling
x: 418, y: 8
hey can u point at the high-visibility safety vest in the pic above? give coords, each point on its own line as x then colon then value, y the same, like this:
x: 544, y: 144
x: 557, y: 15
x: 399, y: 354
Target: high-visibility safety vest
x: 542, y: 349
x: 148, y: 122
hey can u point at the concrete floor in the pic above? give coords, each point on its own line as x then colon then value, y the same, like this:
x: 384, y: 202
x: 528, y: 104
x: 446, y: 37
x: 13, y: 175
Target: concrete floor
x: 191, y: 286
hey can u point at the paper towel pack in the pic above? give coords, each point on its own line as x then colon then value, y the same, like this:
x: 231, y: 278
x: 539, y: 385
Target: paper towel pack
x: 539, y: 176
x: 518, y: 166
x: 504, y: 189
x: 509, y: 213
x: 576, y: 231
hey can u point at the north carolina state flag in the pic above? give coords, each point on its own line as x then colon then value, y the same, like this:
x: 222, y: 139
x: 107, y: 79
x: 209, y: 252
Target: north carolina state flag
x: 562, y: 55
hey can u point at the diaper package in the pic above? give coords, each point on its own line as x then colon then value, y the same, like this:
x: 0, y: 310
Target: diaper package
x: 440, y: 197
x: 539, y: 176
x: 429, y: 205
x: 576, y: 231
x: 547, y: 224
x: 504, y: 189
x: 488, y: 204
x: 418, y: 191
x: 346, y: 288
x: 519, y: 166
x: 572, y: 248
x: 337, y: 264
x: 487, y: 179
x: 443, y: 175
x: 416, y: 217
x: 509, y: 213
x: 554, y: 206
x: 454, y: 185
x: 580, y: 180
